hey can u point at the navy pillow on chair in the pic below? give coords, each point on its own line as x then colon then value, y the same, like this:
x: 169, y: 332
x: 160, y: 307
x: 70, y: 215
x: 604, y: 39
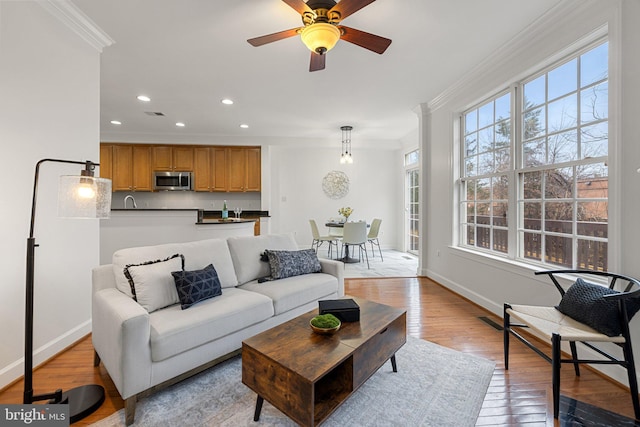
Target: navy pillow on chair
x: 196, y: 286
x: 584, y: 302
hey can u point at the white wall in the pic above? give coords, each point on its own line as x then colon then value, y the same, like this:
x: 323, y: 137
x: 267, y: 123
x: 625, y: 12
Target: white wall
x: 49, y: 107
x: 296, y: 190
x: 492, y: 282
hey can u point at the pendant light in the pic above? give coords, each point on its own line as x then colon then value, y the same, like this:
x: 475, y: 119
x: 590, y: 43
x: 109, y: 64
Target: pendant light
x: 346, y: 157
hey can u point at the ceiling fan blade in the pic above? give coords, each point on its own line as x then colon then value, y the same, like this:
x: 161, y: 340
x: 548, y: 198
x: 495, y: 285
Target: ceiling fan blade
x: 299, y: 6
x: 269, y: 38
x: 317, y: 62
x: 369, y: 41
x: 348, y: 7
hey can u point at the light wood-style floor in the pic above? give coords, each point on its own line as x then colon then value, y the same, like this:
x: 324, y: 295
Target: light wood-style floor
x: 519, y: 396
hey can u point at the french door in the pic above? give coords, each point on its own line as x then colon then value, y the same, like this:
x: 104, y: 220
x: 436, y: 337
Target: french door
x: 413, y: 213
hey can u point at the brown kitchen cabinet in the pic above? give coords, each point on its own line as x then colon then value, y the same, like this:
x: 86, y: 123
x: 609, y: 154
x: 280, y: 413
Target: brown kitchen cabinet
x: 210, y: 169
x: 173, y: 158
x: 131, y: 168
x: 244, y: 169
x: 227, y: 169
x: 106, y: 161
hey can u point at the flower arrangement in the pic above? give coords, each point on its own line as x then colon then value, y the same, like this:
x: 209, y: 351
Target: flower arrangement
x: 345, y: 212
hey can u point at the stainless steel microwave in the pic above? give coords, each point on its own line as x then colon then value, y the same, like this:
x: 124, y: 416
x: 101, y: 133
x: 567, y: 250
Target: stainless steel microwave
x: 172, y: 181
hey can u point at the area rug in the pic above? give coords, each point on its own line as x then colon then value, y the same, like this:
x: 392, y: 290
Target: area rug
x: 393, y: 264
x: 434, y: 386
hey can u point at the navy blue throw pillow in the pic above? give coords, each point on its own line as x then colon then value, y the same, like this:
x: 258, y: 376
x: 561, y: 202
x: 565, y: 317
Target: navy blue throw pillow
x: 584, y: 302
x: 196, y: 286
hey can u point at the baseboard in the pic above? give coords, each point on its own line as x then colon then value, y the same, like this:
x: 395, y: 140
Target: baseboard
x: 459, y: 289
x: 15, y: 370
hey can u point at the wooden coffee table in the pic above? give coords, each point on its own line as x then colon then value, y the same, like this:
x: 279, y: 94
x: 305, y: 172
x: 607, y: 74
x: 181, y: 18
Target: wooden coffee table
x: 306, y: 375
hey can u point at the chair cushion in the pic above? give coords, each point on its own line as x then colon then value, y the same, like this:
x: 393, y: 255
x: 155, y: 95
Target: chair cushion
x: 198, y: 285
x: 285, y: 264
x: 152, y: 284
x: 549, y: 320
x: 584, y: 302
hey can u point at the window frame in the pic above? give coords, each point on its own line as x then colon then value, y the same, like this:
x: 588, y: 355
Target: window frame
x: 517, y: 170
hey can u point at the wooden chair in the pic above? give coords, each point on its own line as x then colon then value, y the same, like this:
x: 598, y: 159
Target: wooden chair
x: 588, y: 313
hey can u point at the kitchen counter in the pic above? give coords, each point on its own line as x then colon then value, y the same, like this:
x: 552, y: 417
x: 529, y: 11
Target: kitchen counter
x: 224, y: 221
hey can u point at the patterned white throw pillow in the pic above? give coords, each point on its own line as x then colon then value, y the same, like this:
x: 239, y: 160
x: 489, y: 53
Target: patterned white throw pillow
x: 152, y: 284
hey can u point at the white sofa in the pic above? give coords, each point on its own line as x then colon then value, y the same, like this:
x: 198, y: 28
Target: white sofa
x: 143, y: 351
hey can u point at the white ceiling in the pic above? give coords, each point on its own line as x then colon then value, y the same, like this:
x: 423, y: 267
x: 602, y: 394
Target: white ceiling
x: 189, y: 54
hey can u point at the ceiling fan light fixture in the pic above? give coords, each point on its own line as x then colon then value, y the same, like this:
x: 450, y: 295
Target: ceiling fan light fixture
x: 320, y: 37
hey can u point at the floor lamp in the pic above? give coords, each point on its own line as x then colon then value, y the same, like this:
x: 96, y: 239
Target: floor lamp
x: 80, y: 196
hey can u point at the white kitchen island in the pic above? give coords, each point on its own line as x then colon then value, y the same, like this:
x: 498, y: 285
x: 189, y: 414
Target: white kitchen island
x: 129, y: 228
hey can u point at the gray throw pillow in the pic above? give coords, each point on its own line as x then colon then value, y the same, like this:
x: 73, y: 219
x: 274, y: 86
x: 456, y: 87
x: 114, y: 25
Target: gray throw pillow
x: 293, y: 263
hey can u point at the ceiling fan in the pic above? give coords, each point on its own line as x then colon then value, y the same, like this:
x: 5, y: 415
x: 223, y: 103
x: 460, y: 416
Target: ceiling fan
x: 321, y: 30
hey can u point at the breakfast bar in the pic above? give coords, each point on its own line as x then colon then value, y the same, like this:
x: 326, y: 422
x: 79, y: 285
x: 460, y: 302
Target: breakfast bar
x: 143, y: 227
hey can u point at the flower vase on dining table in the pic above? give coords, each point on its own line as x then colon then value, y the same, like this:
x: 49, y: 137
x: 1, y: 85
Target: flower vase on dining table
x: 346, y: 213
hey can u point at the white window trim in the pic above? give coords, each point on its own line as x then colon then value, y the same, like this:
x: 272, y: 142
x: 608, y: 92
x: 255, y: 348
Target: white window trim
x: 598, y: 36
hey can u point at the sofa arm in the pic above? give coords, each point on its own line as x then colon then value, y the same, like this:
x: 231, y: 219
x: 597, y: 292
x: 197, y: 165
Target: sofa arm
x: 121, y: 337
x: 335, y: 268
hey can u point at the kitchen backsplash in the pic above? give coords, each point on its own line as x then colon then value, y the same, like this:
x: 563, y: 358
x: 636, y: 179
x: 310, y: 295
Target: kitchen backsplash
x: 186, y: 199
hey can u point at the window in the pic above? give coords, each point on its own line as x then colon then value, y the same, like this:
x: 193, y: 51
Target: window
x: 559, y: 168
x: 487, y: 159
x: 412, y: 186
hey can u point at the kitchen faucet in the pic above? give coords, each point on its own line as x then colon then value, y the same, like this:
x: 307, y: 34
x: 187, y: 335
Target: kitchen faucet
x: 132, y: 199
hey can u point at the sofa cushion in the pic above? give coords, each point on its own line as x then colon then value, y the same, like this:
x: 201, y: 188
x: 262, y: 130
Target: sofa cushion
x: 293, y: 292
x: 246, y: 250
x: 197, y: 255
x: 152, y: 284
x: 197, y: 285
x: 292, y: 263
x: 174, y: 330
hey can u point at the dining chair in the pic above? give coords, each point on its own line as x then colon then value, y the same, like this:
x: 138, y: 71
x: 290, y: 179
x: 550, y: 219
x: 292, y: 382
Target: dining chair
x: 318, y: 240
x: 372, y: 237
x: 588, y: 313
x: 355, y: 234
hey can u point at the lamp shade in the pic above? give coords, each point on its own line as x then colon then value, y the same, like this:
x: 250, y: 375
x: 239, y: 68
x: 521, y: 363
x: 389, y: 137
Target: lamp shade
x: 320, y: 37
x: 84, y: 197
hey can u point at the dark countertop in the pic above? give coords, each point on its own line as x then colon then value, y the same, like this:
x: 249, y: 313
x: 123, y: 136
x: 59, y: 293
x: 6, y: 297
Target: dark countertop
x: 245, y: 213
x: 206, y: 214
x: 155, y: 209
x: 221, y: 221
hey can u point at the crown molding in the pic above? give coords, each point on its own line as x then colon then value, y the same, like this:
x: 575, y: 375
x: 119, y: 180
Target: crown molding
x: 535, y: 34
x: 69, y: 14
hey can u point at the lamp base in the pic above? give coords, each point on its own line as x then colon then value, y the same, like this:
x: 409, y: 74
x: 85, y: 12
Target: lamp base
x: 83, y: 401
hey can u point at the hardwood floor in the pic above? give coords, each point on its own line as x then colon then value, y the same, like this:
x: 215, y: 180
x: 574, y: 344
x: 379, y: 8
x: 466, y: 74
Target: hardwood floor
x: 519, y: 396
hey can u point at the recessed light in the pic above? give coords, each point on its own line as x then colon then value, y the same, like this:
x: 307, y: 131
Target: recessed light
x: 144, y: 98
x: 244, y: 126
x: 227, y: 101
x: 116, y: 122
x: 180, y: 124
